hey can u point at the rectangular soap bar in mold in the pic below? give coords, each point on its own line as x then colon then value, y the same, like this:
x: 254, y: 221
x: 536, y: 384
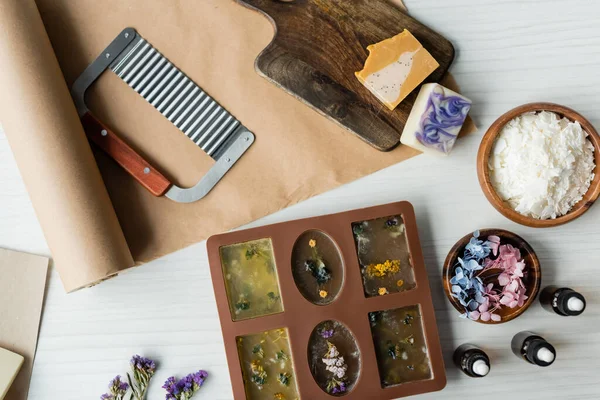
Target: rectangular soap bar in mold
x: 251, y: 279
x: 435, y: 120
x: 267, y: 366
x: 383, y: 256
x: 400, y: 346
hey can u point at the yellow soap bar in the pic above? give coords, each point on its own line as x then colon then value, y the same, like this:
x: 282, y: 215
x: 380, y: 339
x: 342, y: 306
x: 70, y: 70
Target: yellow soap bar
x: 395, y: 67
x: 10, y: 364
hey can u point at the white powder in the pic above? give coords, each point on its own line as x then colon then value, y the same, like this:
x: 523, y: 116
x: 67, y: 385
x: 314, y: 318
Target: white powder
x: 541, y: 164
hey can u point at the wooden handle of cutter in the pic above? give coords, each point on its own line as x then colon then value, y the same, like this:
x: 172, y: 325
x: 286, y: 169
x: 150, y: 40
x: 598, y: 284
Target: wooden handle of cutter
x: 124, y: 155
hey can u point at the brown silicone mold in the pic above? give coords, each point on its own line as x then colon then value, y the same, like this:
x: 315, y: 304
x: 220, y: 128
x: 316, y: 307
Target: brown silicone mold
x: 390, y: 341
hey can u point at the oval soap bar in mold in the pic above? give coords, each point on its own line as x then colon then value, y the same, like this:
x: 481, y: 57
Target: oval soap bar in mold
x: 435, y: 119
x: 317, y: 267
x: 334, y: 358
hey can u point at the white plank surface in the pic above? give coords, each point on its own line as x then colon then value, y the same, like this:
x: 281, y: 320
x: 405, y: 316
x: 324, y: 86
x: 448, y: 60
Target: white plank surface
x: 509, y: 52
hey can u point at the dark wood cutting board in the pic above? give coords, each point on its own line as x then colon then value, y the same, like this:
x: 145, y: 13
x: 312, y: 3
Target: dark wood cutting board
x: 318, y: 46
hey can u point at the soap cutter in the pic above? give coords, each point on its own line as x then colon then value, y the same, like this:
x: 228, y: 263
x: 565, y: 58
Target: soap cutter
x: 176, y: 97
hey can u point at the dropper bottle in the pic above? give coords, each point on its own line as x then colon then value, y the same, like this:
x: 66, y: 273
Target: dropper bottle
x: 533, y: 348
x: 472, y: 361
x: 562, y: 301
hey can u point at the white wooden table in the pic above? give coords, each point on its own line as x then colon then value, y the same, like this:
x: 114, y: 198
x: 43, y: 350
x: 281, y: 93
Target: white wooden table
x: 509, y: 52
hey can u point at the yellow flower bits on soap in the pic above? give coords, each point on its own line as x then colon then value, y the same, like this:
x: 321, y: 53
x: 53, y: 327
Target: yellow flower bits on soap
x: 381, y: 270
x: 323, y: 293
x: 400, y: 283
x: 382, y: 291
x: 279, y: 396
x: 312, y: 243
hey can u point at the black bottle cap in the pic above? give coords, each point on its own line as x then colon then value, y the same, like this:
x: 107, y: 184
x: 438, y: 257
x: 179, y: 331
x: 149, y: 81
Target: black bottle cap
x: 570, y: 303
x: 541, y: 352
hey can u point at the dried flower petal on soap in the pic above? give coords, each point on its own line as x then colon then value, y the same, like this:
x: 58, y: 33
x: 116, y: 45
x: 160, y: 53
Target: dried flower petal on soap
x: 242, y: 305
x: 259, y: 375
x: 284, y: 378
x: 327, y: 333
x: 335, y: 364
x: 389, y: 267
x: 258, y: 350
x: 281, y: 356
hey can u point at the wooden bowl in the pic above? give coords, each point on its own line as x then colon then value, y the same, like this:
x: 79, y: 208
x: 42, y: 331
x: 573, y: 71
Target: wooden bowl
x: 483, y: 172
x: 532, y: 278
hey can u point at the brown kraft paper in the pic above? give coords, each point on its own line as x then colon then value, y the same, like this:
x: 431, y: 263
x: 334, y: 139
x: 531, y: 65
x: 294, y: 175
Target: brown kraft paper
x: 54, y: 158
x: 297, y: 154
x: 21, y: 299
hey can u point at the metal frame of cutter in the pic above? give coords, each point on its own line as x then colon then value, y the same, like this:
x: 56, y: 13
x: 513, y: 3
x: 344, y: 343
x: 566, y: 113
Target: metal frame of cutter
x: 176, y: 97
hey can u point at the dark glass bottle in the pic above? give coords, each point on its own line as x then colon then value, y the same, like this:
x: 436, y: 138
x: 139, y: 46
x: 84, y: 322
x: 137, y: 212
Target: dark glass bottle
x: 533, y: 348
x: 472, y: 361
x: 562, y: 301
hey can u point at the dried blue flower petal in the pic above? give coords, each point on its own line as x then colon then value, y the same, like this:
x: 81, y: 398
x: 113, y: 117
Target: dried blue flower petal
x: 467, y: 287
x: 479, y: 298
x: 472, y: 305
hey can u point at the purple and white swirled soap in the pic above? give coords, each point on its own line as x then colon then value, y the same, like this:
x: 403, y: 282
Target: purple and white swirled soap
x: 435, y: 119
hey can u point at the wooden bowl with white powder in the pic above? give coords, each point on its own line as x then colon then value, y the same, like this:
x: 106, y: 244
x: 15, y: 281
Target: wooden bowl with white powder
x: 538, y: 165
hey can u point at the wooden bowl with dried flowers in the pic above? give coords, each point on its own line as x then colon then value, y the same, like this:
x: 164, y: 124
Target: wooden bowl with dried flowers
x: 491, y: 276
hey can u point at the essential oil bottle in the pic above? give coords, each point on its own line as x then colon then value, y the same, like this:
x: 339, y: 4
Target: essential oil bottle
x: 472, y: 360
x: 562, y: 301
x: 533, y: 348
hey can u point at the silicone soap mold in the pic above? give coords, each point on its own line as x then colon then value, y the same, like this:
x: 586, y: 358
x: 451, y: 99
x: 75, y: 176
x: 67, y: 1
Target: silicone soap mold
x: 316, y: 325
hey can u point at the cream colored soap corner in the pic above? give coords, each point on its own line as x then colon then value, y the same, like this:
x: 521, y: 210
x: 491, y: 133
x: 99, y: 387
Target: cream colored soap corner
x: 10, y: 364
x: 435, y: 120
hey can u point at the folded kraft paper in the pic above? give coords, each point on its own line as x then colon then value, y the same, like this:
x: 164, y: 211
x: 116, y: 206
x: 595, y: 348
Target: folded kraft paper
x: 22, y: 286
x: 96, y: 219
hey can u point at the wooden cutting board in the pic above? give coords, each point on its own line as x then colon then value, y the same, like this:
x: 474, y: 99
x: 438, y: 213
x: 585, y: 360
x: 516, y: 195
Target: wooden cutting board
x: 319, y: 44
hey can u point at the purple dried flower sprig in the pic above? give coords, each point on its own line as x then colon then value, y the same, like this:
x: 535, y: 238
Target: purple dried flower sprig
x: 186, y: 387
x: 143, y: 370
x: 116, y: 389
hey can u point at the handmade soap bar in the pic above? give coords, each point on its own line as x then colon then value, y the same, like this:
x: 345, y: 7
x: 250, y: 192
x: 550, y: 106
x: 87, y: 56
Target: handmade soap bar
x: 435, y: 120
x: 10, y: 364
x: 395, y: 67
